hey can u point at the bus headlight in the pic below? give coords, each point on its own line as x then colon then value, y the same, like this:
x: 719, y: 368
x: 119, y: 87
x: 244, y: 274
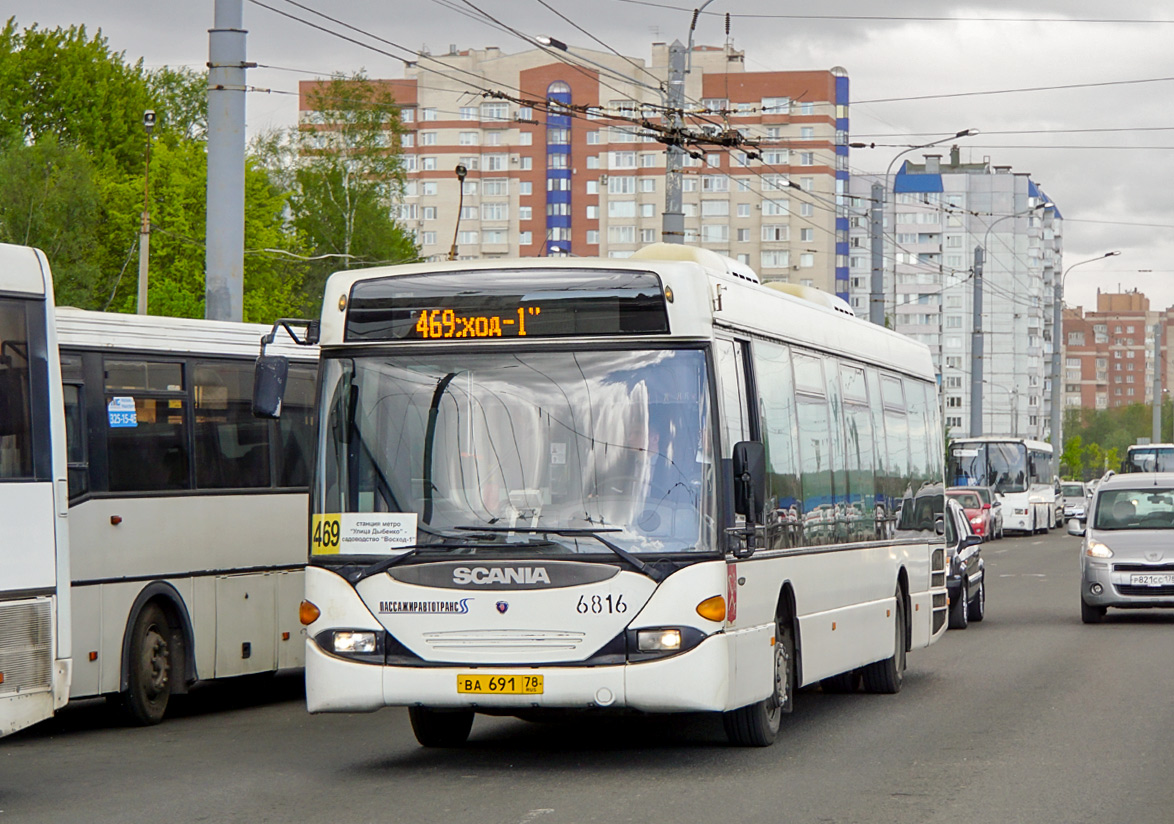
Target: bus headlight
x: 351, y: 642
x: 658, y: 640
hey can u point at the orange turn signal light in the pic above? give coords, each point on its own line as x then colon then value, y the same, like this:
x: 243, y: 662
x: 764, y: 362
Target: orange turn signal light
x: 308, y: 613
x: 713, y: 609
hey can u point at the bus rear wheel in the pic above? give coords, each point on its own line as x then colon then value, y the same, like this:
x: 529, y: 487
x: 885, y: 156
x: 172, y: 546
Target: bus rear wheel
x: 757, y: 725
x: 440, y: 728
x: 146, y: 699
x: 887, y: 676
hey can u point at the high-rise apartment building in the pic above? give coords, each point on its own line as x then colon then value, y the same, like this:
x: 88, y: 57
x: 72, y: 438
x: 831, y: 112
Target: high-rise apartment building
x: 1109, y: 352
x: 938, y: 212
x: 585, y: 176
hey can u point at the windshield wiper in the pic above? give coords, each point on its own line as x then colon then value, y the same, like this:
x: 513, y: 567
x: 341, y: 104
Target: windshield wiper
x: 356, y: 575
x: 645, y: 569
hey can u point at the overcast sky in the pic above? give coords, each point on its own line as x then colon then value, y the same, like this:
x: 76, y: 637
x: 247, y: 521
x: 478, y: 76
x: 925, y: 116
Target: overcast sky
x: 1102, y: 148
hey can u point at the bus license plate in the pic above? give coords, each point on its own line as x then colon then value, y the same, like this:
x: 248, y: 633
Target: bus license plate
x: 486, y: 684
x: 1165, y: 579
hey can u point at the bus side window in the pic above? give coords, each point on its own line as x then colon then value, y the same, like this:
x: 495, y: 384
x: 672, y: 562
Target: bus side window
x: 16, y: 423
x: 295, y: 428
x: 729, y: 359
x: 149, y: 451
x: 232, y: 446
x: 77, y: 456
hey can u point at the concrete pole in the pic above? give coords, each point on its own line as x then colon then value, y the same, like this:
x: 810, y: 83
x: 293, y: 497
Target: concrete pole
x: 673, y: 219
x: 976, y: 354
x: 1157, y: 383
x: 1057, y: 366
x: 225, y: 248
x: 876, y: 228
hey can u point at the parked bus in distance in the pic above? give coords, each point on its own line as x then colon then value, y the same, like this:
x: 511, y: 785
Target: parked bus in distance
x: 648, y: 485
x: 1149, y: 457
x: 1019, y: 470
x: 188, y: 515
x: 35, y: 657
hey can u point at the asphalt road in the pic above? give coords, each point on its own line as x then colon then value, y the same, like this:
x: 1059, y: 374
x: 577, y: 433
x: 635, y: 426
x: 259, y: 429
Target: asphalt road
x: 1029, y: 716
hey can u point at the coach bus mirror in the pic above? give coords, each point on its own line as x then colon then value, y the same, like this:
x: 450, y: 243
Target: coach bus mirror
x: 269, y: 378
x: 749, y: 479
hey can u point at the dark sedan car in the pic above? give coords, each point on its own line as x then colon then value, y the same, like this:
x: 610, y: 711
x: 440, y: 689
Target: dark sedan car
x: 966, y: 580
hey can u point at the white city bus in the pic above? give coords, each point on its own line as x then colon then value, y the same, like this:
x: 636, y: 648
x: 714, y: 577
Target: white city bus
x: 188, y: 515
x: 1149, y: 457
x: 649, y: 485
x: 1019, y: 470
x: 34, y: 559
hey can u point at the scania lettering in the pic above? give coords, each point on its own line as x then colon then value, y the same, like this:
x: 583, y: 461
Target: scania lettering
x: 665, y: 488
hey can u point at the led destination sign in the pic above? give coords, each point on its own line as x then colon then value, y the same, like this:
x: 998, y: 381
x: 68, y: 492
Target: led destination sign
x: 446, y: 323
x: 487, y: 305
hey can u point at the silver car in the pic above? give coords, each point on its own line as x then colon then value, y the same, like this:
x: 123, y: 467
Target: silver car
x: 1072, y: 499
x: 1127, y: 557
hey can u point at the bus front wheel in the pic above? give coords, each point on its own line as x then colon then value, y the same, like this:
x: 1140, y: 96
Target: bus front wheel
x: 440, y: 728
x: 145, y: 701
x: 757, y: 725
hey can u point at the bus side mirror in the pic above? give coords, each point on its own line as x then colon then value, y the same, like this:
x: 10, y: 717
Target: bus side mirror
x: 749, y: 479
x: 269, y: 377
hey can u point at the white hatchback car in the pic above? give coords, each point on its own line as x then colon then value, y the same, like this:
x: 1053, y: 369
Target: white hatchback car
x: 1127, y: 559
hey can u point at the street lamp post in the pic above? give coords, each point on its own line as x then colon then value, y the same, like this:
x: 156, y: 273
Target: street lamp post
x: 876, y: 301
x: 461, y: 171
x: 1057, y: 340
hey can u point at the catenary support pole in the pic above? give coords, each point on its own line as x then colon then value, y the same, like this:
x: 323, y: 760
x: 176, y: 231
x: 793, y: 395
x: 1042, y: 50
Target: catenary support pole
x: 876, y: 227
x: 673, y: 219
x: 976, y: 354
x: 225, y: 222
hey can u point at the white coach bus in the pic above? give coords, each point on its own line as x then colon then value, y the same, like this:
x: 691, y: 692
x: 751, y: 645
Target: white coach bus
x: 649, y: 484
x: 1019, y: 470
x: 34, y: 552
x: 188, y: 515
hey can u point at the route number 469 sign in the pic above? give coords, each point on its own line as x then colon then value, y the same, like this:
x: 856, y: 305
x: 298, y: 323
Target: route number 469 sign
x: 362, y: 533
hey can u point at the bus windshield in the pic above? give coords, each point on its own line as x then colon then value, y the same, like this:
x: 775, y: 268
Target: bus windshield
x: 999, y: 465
x: 1149, y: 459
x: 613, y: 441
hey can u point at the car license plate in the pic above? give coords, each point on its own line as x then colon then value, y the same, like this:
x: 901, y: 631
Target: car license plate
x: 489, y: 684
x: 1150, y: 579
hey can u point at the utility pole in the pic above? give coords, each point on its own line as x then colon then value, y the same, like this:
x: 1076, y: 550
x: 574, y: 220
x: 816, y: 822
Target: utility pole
x: 224, y: 268
x: 976, y: 350
x: 876, y: 227
x: 1157, y: 383
x: 673, y: 219
x: 145, y: 228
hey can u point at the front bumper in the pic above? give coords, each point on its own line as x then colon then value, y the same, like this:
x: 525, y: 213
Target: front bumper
x: 1116, y: 589
x: 698, y: 677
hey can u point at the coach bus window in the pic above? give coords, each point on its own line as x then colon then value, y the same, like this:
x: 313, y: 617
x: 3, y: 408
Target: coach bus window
x: 232, y: 447
x: 815, y: 451
x: 295, y: 428
x: 146, y: 435
x: 75, y: 441
x: 777, y: 396
x: 919, y: 451
x: 860, y: 455
x: 16, y: 430
x: 885, y: 511
x: 896, y: 443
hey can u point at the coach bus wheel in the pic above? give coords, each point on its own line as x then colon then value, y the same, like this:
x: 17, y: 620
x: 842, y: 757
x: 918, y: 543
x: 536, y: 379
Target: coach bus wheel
x: 145, y: 701
x: 887, y: 676
x: 440, y: 728
x: 757, y: 725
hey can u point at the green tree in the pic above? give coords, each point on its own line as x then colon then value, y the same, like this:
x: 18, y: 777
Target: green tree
x: 48, y: 199
x: 1094, y: 459
x: 344, y: 180
x: 1072, y: 458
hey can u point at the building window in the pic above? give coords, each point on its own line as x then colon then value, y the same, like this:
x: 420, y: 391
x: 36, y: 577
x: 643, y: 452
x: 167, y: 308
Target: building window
x: 525, y: 239
x: 621, y: 160
x: 775, y: 259
x: 621, y: 208
x: 776, y: 232
x: 648, y: 184
x: 621, y: 234
x: 806, y: 235
x: 593, y: 237
x: 743, y: 210
x: 495, y: 110
x: 525, y: 213
x: 647, y: 210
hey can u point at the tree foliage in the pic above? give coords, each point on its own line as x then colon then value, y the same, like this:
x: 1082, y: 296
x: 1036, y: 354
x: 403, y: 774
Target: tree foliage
x: 73, y: 154
x: 344, y: 181
x: 1103, y: 435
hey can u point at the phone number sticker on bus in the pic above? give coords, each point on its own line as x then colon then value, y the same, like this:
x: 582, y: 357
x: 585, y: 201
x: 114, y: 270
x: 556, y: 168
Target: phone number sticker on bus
x: 362, y: 533
x: 120, y: 412
x: 477, y: 684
